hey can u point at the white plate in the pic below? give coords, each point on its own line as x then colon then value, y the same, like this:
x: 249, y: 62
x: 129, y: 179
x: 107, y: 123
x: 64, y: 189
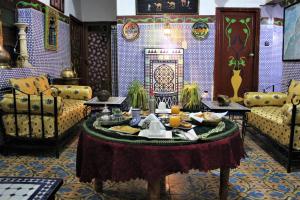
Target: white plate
x: 146, y: 133
x: 164, y: 111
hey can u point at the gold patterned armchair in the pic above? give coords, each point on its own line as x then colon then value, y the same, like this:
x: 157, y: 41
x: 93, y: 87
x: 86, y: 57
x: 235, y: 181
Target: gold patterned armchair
x: 277, y: 115
x: 40, y: 114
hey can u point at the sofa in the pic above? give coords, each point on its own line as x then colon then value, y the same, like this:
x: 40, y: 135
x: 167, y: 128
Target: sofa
x: 277, y: 116
x: 38, y: 114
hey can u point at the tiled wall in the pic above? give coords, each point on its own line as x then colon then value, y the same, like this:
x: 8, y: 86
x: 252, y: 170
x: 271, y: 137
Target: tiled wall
x: 44, y: 61
x: 270, y: 57
x: 199, y: 55
x: 291, y: 70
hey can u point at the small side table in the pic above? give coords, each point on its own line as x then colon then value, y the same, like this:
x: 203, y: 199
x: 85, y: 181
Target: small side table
x: 116, y: 102
x: 66, y: 81
x: 232, y: 109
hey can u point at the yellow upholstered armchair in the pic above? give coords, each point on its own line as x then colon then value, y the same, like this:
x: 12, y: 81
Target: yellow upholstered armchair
x: 277, y: 115
x: 41, y: 114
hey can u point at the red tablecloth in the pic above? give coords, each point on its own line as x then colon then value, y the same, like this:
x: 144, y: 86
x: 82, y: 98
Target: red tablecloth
x: 114, y: 161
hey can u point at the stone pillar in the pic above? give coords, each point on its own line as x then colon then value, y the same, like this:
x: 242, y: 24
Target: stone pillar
x: 23, y: 57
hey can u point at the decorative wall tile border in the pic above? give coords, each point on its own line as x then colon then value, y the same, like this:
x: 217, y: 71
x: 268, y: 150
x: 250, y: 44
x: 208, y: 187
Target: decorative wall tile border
x: 276, y: 21
x: 163, y: 18
x: 183, y: 19
x: 37, y: 5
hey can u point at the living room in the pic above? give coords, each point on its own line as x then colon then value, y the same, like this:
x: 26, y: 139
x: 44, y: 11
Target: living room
x: 149, y: 99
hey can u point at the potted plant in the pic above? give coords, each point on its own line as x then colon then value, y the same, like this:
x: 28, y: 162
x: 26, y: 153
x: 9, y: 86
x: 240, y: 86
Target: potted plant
x: 189, y: 98
x: 137, y: 95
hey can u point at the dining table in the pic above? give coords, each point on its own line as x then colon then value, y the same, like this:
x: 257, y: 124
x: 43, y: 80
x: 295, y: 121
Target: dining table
x: 104, y: 155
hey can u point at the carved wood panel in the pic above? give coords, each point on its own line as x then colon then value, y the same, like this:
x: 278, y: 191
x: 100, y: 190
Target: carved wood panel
x: 98, y: 37
x: 7, y: 16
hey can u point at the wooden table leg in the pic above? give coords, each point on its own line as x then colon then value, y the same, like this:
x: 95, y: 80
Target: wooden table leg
x: 224, y: 179
x: 98, y: 185
x: 154, y: 189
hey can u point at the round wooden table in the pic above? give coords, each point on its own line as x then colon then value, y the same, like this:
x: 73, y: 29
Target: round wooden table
x: 102, y: 157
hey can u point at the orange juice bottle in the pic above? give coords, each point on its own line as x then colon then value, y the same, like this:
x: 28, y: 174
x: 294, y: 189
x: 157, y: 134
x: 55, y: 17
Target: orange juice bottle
x: 175, y: 109
x: 174, y: 121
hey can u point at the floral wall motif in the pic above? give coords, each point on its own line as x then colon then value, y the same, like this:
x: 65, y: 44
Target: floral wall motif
x: 44, y: 61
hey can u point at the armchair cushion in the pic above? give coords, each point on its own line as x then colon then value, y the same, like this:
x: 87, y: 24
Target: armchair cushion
x: 264, y: 99
x: 42, y: 85
x: 287, y: 113
x: 72, y: 114
x: 74, y: 92
x: 294, y: 90
x: 25, y: 85
x: 7, y: 104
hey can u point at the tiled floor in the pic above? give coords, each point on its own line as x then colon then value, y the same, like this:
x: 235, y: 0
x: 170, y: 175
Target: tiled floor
x: 258, y: 177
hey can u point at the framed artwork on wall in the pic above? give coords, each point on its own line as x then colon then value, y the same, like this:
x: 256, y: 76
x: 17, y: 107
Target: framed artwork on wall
x: 130, y: 31
x: 291, y: 33
x: 51, y: 29
x: 58, y: 4
x: 157, y: 7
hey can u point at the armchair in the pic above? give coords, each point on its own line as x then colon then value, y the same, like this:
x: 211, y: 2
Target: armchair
x: 277, y: 116
x: 39, y: 115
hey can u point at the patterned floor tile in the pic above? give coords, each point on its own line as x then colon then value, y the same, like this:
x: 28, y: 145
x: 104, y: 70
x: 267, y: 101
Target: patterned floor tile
x: 258, y: 177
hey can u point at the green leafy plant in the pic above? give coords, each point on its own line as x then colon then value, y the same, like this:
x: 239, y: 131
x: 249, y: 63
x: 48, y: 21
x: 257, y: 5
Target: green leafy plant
x: 236, y: 64
x: 137, y: 95
x: 190, y: 98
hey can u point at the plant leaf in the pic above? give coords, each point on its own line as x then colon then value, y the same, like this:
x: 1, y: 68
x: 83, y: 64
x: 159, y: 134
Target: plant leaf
x: 229, y: 30
x: 245, y: 30
x: 248, y: 19
x: 233, y: 20
x: 242, y: 21
x: 227, y: 19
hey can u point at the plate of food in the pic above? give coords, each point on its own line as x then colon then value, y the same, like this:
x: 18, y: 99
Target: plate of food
x: 183, y: 126
x: 207, y: 118
x: 125, y: 129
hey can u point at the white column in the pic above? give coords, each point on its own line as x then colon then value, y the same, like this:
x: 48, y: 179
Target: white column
x: 23, y: 44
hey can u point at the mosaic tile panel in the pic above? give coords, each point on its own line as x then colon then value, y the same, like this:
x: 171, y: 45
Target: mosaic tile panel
x: 198, y: 57
x: 44, y: 61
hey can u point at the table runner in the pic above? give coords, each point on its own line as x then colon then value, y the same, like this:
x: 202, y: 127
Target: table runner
x: 106, y: 160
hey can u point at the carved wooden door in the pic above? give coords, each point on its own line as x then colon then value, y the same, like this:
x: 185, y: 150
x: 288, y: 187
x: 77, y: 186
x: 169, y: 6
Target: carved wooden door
x: 98, y: 47
x: 76, y: 34
x: 236, y: 51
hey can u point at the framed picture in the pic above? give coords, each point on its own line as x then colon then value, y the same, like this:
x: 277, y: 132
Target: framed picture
x: 51, y: 29
x: 58, y: 4
x: 157, y: 7
x: 130, y: 31
x: 291, y: 33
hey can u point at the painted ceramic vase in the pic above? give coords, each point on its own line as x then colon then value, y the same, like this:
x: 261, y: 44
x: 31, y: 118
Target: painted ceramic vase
x: 236, y: 81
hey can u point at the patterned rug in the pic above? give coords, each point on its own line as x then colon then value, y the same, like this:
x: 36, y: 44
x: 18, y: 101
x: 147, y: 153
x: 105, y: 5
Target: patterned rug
x: 258, y: 177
